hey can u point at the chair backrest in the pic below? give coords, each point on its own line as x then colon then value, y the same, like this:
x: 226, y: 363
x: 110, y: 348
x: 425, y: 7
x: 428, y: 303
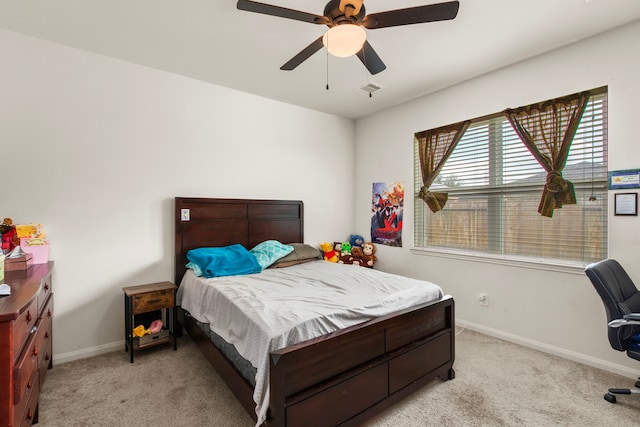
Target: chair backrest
x: 619, y: 295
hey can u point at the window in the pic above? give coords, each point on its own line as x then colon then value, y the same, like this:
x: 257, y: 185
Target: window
x: 495, y: 185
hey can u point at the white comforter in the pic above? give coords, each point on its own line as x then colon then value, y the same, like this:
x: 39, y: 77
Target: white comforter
x: 262, y: 312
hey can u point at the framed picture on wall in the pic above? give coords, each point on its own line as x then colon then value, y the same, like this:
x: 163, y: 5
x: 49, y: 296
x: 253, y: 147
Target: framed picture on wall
x: 624, y: 179
x: 626, y: 204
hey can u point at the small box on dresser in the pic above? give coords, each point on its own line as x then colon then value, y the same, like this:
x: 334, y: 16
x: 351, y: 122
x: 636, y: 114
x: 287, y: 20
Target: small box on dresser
x: 23, y: 262
x: 25, y: 343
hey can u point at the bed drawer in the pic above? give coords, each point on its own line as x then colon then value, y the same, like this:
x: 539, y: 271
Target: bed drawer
x: 152, y: 301
x: 23, y: 326
x: 416, y: 326
x: 361, y: 391
x: 408, y: 367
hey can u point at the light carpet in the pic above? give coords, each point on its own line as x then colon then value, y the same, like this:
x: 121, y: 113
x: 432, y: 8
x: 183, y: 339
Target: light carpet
x: 497, y: 384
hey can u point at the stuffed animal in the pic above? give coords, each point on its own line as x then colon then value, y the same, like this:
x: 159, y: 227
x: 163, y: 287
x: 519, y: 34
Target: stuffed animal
x: 337, y: 246
x: 329, y: 254
x: 356, y: 240
x: 346, y: 248
x: 156, y: 326
x: 140, y: 331
x: 9, y: 235
x: 368, y: 254
x: 357, y: 256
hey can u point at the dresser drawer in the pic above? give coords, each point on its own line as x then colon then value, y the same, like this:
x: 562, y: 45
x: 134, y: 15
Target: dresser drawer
x: 23, y: 326
x: 44, y: 340
x: 45, y: 291
x: 25, y: 411
x: 155, y: 300
x: 25, y: 368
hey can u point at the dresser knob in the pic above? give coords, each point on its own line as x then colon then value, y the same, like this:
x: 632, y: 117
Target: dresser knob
x: 46, y: 287
x: 29, y: 414
x: 35, y: 352
x: 46, y: 335
x: 29, y: 385
x: 49, y: 313
x: 46, y: 357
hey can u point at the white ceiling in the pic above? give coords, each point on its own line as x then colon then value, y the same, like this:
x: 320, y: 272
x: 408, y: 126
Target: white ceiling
x: 211, y: 40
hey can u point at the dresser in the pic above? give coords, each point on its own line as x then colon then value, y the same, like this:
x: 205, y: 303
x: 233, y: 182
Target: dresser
x: 25, y: 343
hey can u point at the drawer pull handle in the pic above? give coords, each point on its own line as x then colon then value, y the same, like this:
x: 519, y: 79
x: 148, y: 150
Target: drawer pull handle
x: 46, y: 287
x: 49, y: 313
x: 35, y: 352
x: 46, y: 357
x: 29, y: 316
x: 152, y: 301
x: 29, y: 414
x: 46, y: 335
x: 29, y: 385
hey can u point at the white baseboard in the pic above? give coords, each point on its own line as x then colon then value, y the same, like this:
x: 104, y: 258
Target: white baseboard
x: 556, y: 351
x: 87, y: 352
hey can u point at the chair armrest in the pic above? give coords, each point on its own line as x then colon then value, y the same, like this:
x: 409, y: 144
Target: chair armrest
x: 625, y: 322
x: 632, y: 316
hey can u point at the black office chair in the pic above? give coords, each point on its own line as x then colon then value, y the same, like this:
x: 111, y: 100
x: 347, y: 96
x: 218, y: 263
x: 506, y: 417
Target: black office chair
x: 621, y: 301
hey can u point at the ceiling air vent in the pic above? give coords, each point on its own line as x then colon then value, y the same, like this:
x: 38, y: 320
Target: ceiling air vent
x: 368, y: 89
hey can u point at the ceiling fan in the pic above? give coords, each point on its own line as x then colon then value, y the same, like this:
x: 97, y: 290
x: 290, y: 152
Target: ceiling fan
x: 349, y: 16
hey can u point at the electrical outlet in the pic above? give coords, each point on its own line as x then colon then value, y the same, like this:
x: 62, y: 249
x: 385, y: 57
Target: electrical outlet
x: 484, y: 300
x: 185, y: 214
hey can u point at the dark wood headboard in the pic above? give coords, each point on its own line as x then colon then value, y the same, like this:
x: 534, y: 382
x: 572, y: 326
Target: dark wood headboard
x: 201, y: 222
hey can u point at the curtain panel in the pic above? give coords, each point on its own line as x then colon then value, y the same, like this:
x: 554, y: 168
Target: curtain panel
x: 434, y: 148
x: 547, y: 130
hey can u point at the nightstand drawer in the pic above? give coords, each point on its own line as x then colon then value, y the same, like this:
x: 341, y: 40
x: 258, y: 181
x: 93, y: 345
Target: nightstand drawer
x: 23, y: 327
x: 155, y: 300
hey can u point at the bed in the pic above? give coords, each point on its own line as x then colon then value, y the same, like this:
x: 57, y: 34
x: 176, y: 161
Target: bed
x: 340, y: 378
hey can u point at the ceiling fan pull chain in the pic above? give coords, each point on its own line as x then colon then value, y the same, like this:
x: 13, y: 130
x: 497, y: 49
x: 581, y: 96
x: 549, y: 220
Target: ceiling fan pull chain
x: 327, y: 70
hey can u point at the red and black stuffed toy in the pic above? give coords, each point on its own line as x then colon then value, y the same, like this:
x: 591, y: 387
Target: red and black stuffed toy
x: 9, y: 235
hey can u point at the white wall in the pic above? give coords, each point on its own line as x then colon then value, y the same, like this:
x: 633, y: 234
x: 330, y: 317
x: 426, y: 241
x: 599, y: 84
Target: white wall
x: 96, y: 149
x: 554, y: 310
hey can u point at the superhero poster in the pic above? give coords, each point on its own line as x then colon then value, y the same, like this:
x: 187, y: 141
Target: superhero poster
x: 386, y: 219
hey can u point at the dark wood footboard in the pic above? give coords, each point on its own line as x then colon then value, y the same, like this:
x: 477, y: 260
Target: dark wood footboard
x: 346, y: 377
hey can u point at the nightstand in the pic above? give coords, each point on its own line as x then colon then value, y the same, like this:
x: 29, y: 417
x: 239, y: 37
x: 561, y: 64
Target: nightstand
x: 145, y: 304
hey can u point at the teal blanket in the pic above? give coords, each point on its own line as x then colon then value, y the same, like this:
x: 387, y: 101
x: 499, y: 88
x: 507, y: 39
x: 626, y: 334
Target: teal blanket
x: 233, y: 260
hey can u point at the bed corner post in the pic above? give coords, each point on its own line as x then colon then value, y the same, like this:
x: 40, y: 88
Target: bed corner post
x: 277, y: 409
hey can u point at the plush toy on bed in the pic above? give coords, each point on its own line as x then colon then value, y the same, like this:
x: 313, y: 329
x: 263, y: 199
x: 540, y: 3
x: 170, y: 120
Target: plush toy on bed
x: 356, y: 257
x: 337, y: 246
x: 329, y: 254
x: 356, y: 240
x: 346, y: 248
x: 368, y: 254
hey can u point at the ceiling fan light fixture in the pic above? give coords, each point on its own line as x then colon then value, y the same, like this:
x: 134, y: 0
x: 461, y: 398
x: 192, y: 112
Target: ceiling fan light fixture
x: 344, y: 40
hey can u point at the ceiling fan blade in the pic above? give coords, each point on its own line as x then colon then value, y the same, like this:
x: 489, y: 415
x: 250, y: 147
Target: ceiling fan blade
x: 412, y: 15
x: 303, y: 55
x: 282, y: 12
x: 370, y: 59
